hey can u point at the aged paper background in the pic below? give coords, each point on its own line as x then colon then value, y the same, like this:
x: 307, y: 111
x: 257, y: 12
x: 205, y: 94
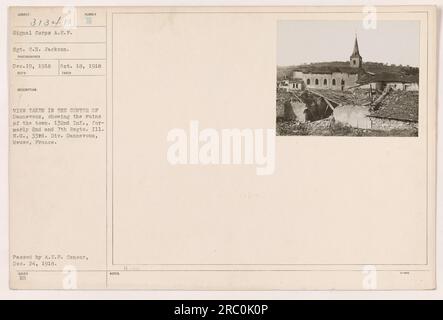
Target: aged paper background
x: 334, y: 205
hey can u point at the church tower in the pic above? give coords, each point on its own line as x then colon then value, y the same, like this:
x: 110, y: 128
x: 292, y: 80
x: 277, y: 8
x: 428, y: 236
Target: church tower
x: 356, y: 60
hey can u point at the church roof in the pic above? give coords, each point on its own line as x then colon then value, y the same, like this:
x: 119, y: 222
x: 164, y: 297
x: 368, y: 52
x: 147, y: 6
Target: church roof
x: 327, y: 69
x: 296, y: 80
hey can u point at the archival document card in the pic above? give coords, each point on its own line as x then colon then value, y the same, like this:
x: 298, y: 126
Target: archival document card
x: 222, y: 148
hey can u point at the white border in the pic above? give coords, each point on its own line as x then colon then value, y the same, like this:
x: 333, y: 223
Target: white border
x: 6, y: 293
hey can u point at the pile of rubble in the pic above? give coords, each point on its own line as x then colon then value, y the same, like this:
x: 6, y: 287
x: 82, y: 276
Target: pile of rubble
x: 398, y: 105
x: 358, y: 97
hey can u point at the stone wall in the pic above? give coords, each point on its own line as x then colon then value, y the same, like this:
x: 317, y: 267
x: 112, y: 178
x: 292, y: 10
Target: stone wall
x: 388, y: 124
x: 397, y: 86
x: 373, y: 86
x: 411, y: 86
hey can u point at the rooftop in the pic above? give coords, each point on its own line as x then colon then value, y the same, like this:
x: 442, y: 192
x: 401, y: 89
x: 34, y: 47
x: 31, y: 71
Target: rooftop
x: 355, y: 97
x: 325, y: 69
x: 398, y: 105
x: 387, y: 77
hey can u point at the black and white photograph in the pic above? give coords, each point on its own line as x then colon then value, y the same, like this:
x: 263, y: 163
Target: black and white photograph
x: 220, y: 159
x: 342, y: 78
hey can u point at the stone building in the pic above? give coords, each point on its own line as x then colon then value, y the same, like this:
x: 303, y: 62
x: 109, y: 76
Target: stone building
x: 339, y: 77
x: 292, y: 84
x: 388, y: 80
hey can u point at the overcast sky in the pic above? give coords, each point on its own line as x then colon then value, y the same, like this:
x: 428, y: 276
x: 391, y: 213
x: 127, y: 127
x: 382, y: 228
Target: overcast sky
x: 318, y: 41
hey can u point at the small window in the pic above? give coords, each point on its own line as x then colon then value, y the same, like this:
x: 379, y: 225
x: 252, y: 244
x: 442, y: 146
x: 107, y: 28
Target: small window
x: 325, y: 82
x: 308, y: 81
x: 353, y: 62
x: 343, y: 82
x: 333, y: 82
x: 316, y: 82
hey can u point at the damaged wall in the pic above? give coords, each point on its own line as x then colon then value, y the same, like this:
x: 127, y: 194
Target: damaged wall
x: 291, y: 110
x: 354, y: 116
x: 299, y: 110
x: 306, y: 107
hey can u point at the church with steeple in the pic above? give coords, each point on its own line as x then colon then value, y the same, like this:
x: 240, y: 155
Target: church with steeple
x: 356, y: 60
x: 329, y: 75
